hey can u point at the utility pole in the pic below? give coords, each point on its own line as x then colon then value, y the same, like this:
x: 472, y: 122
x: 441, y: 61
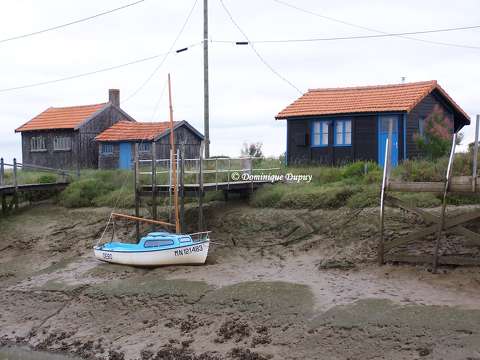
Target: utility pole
x: 206, y: 110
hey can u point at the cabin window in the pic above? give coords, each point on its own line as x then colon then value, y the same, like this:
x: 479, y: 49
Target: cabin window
x: 107, y: 149
x: 158, y: 243
x: 144, y: 147
x: 343, y: 132
x: 421, y: 127
x: 62, y: 143
x: 320, y: 133
x: 185, y: 239
x: 37, y: 143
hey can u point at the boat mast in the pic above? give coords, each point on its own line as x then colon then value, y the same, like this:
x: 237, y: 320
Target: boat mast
x: 173, y: 159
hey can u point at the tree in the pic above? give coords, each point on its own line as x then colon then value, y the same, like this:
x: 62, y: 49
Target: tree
x: 436, y: 139
x: 253, y: 149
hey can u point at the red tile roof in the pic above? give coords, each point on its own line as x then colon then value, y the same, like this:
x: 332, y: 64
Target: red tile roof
x: 131, y: 131
x: 61, y: 118
x: 363, y: 99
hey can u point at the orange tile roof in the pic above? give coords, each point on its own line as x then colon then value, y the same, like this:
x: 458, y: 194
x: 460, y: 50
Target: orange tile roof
x: 60, y: 118
x: 363, y: 99
x: 131, y: 131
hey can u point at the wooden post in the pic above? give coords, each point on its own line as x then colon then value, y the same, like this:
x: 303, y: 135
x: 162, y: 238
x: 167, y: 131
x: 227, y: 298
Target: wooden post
x: 174, y: 161
x: 2, y: 182
x: 441, y: 222
x: 251, y: 172
x: 381, y: 244
x: 2, y: 172
x: 182, y: 190
x: 200, y: 189
x: 136, y: 177
x: 475, y: 155
x: 15, y: 183
x: 154, y: 183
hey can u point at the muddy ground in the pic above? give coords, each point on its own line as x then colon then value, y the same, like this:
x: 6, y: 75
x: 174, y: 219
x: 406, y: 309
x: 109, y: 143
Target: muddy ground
x: 278, y: 284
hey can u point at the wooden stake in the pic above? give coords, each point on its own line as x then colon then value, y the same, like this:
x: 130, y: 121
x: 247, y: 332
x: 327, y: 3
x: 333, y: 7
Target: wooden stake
x: 173, y: 160
x: 475, y: 156
x: 381, y: 243
x: 441, y: 223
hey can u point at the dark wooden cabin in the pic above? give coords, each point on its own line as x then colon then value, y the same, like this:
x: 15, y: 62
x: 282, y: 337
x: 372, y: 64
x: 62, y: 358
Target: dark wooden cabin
x: 339, y: 125
x: 64, y: 137
x: 117, y: 144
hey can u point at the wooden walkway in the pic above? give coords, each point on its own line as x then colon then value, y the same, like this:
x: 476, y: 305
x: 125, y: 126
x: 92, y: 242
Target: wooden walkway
x: 11, y: 187
x: 233, y: 186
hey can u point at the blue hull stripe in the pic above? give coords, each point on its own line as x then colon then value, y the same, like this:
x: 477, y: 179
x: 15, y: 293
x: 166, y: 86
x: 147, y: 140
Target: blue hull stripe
x: 153, y: 250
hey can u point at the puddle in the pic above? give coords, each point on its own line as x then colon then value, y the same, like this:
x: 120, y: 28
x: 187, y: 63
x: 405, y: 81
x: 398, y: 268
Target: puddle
x: 22, y: 353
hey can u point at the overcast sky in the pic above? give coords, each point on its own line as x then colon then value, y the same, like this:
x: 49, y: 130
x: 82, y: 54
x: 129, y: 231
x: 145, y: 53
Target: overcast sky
x: 244, y: 94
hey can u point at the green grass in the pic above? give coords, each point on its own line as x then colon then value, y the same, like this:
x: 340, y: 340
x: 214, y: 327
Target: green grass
x: 355, y: 185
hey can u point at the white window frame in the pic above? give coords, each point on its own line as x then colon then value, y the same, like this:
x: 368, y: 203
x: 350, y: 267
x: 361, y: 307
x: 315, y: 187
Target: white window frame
x: 320, y: 133
x: 62, y: 143
x: 108, y: 146
x: 340, y: 130
x: 37, y: 144
x: 144, y: 147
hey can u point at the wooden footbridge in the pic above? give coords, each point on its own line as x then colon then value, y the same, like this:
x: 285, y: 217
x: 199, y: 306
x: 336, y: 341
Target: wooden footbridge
x: 154, y: 179
x: 13, y: 182
x: 437, y: 225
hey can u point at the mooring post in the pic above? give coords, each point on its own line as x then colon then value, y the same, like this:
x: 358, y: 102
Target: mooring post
x: 2, y: 172
x: 441, y: 222
x: 136, y: 177
x: 15, y: 183
x: 475, y: 155
x: 182, y: 190
x: 154, y: 183
x: 200, y: 189
x: 381, y: 243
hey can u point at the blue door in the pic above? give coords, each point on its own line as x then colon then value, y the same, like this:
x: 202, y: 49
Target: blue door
x: 383, y: 126
x: 125, y: 156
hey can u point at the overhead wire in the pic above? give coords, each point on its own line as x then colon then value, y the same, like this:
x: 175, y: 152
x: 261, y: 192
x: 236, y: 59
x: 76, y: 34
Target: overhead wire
x: 70, y: 23
x: 152, y: 74
x: 271, y: 68
x: 403, y: 35
x: 110, y: 68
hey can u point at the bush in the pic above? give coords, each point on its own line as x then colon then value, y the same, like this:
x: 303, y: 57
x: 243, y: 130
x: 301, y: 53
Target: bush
x: 83, y: 192
x: 120, y: 198
x: 368, y: 197
x: 269, y: 195
x: 46, y: 179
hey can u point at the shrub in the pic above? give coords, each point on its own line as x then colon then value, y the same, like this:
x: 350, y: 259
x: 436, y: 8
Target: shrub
x: 82, y: 193
x: 368, y: 197
x: 435, y: 142
x: 120, y: 198
x: 47, y: 178
x: 269, y: 195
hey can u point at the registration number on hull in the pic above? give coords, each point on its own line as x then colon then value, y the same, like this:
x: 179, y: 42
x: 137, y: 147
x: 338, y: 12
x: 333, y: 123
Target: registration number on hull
x: 107, y: 255
x: 189, y: 250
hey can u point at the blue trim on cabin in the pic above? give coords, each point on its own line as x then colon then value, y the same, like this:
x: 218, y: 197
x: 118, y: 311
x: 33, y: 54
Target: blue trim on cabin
x: 381, y: 147
x: 312, y: 133
x: 343, y: 121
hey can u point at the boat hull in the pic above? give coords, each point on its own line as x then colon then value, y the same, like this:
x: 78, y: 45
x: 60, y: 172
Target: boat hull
x: 191, y: 254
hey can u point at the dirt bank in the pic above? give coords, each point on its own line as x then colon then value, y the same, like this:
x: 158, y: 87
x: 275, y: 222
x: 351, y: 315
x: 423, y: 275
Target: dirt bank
x: 279, y: 284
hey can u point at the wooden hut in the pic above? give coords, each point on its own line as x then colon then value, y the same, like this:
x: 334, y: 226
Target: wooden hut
x: 116, y: 145
x: 338, y: 125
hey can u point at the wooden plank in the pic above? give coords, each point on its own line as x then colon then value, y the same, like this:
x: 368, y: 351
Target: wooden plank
x: 458, y: 184
x: 139, y: 219
x: 427, y: 259
x: 449, y: 223
x: 420, y: 212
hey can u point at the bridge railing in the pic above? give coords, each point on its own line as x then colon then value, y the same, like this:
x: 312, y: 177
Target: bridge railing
x: 16, y: 173
x: 197, y: 171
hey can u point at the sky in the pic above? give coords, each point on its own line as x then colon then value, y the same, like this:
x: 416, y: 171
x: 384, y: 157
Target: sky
x: 245, y: 95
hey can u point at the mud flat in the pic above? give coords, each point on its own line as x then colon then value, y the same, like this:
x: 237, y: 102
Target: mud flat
x: 278, y: 285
